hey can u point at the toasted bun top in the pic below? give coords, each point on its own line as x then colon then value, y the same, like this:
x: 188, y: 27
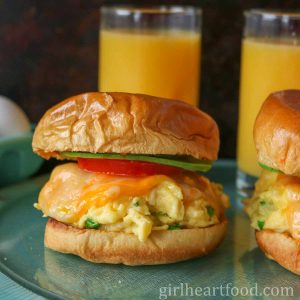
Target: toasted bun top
x: 277, y: 132
x: 126, y: 123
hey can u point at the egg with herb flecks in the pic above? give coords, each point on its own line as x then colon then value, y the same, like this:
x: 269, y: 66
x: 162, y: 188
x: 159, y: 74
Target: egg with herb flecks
x: 13, y: 119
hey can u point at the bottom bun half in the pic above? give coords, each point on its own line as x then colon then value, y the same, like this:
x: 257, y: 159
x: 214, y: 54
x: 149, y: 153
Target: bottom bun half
x: 161, y: 247
x: 280, y: 247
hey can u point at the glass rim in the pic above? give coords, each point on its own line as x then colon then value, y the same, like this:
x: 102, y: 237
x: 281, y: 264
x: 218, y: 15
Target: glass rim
x: 272, y: 14
x: 126, y: 10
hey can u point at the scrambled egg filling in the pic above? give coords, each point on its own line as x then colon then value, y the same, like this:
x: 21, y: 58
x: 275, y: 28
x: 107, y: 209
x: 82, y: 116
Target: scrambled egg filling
x: 275, y: 204
x: 132, y: 205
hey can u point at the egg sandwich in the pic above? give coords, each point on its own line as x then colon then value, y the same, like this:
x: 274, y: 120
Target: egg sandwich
x: 132, y: 193
x: 274, y: 208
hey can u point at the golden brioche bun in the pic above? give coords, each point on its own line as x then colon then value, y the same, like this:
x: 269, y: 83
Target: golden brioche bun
x: 161, y: 247
x: 280, y: 247
x: 277, y: 132
x: 126, y: 123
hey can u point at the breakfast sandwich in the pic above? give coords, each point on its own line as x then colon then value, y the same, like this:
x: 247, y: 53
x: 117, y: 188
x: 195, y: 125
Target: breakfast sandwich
x: 274, y: 208
x: 131, y: 193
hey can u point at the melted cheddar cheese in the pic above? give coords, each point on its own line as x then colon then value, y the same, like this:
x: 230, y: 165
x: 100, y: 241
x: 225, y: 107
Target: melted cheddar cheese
x: 275, y: 204
x: 135, y: 205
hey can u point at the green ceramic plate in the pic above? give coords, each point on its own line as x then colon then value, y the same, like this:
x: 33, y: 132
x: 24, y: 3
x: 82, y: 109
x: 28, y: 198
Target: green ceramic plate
x: 17, y: 161
x: 237, y: 263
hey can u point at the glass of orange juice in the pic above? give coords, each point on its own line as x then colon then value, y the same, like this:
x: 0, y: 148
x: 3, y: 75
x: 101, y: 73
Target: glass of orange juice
x: 270, y: 62
x: 154, y: 50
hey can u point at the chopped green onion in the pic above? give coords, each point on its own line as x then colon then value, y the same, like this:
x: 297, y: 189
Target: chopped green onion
x: 260, y: 224
x: 262, y: 202
x: 174, y: 227
x: 91, y: 224
x: 136, y: 204
x: 210, y: 210
x: 160, y: 214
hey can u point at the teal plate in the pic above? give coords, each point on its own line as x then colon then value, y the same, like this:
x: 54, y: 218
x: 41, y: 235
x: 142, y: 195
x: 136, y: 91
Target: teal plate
x: 237, y: 266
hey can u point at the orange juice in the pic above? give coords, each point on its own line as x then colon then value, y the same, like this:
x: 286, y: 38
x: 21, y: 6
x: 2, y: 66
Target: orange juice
x: 159, y: 63
x: 266, y: 67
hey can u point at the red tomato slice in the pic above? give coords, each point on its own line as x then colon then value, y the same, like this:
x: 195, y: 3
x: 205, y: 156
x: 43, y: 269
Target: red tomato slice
x: 126, y: 167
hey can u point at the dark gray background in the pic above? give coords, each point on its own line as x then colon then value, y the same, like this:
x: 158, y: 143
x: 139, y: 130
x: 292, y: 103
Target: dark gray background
x: 49, y: 51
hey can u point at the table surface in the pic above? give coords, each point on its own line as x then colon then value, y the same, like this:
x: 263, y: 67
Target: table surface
x: 236, y: 262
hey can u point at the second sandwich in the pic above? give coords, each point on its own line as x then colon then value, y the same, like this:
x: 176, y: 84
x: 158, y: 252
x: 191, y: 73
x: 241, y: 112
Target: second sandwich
x: 274, y: 208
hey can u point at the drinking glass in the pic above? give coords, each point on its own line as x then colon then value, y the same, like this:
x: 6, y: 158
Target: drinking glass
x: 151, y: 50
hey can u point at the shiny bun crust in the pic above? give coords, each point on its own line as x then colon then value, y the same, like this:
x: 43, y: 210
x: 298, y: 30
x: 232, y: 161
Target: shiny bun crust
x: 277, y: 132
x: 126, y: 123
x: 280, y: 247
x: 161, y: 247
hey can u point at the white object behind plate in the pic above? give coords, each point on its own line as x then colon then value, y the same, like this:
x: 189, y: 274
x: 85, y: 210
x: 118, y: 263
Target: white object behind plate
x: 13, y: 119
